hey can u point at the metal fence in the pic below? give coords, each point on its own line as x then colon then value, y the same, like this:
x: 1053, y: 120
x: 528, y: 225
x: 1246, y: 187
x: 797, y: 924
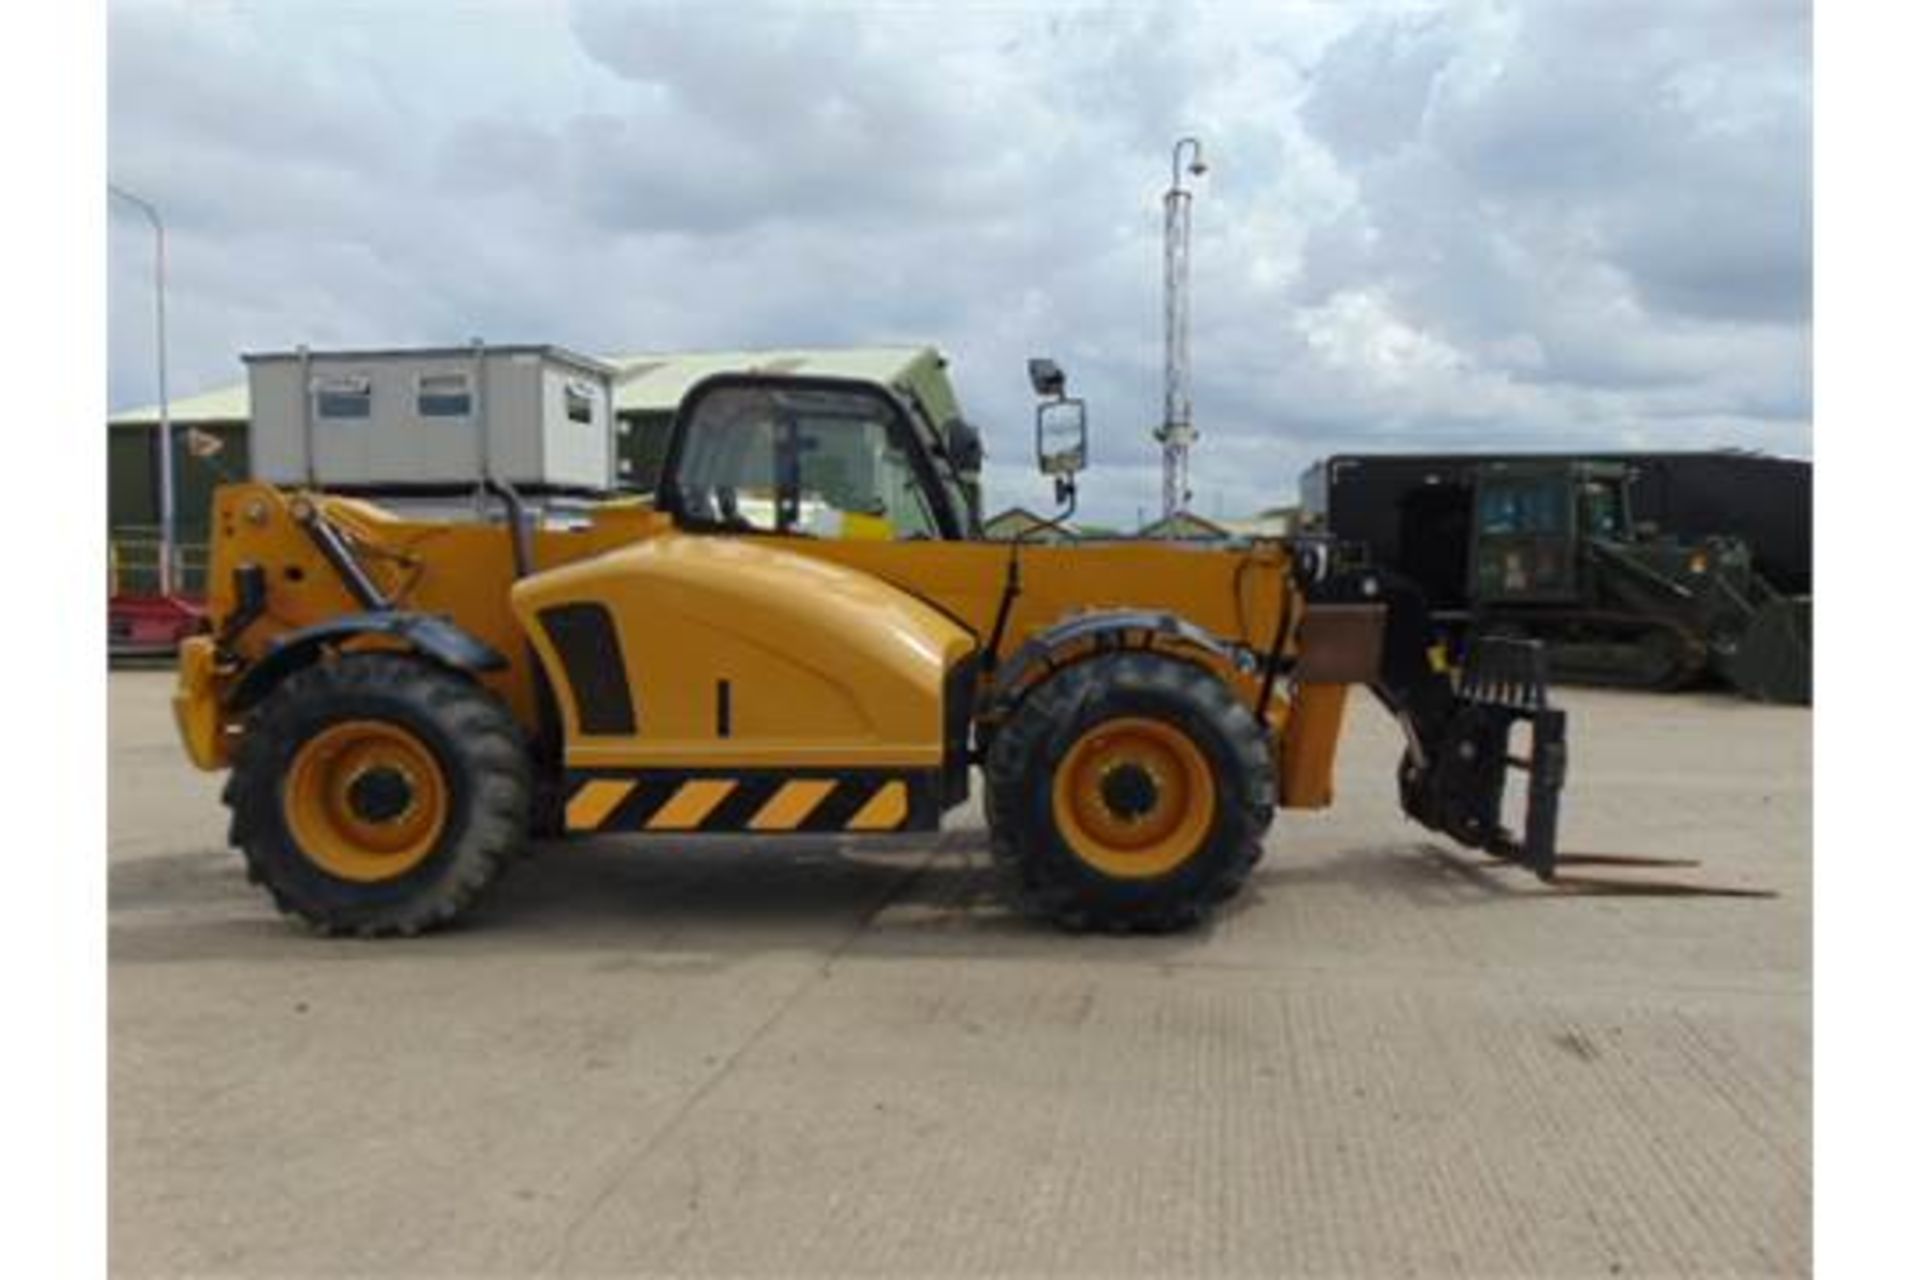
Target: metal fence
x: 133, y: 563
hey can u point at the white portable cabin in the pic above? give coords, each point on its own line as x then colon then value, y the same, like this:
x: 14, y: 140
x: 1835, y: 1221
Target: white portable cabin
x: 536, y: 417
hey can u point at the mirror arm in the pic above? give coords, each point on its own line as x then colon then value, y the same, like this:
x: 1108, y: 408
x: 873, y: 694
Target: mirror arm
x: 1064, y: 490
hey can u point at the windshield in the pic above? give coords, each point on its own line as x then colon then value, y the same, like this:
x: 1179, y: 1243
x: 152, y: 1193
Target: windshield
x: 822, y: 462
x: 1510, y: 507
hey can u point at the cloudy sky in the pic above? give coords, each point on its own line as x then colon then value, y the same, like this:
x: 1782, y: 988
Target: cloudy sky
x: 1427, y: 226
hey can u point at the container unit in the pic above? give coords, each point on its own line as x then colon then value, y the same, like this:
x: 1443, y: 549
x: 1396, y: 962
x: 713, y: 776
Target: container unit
x: 537, y: 417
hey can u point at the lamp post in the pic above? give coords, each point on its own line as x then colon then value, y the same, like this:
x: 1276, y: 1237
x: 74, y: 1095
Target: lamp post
x: 160, y: 347
x: 1176, y: 433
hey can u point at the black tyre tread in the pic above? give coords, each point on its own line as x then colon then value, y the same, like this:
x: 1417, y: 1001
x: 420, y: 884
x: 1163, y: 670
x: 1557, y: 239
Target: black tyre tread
x: 1033, y: 740
x: 493, y: 757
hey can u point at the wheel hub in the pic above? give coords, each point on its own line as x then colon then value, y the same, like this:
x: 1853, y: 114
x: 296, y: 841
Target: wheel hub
x: 380, y: 794
x: 1130, y: 791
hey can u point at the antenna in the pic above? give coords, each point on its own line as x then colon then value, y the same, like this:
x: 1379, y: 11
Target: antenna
x: 1175, y: 433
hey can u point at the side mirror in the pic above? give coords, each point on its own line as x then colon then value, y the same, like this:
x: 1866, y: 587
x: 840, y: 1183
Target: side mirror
x: 1048, y: 378
x: 1060, y: 437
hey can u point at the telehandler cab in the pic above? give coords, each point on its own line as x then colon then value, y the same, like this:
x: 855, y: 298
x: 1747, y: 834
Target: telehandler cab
x: 802, y: 631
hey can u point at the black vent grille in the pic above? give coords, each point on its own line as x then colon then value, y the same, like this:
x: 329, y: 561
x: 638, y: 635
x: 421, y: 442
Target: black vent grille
x: 589, y: 648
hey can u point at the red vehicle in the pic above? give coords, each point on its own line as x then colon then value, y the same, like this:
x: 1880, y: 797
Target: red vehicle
x: 141, y: 617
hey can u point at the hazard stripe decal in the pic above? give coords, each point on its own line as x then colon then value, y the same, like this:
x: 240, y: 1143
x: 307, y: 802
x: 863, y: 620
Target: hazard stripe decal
x: 591, y: 804
x: 885, y: 811
x: 791, y: 804
x: 662, y: 800
x: 690, y: 805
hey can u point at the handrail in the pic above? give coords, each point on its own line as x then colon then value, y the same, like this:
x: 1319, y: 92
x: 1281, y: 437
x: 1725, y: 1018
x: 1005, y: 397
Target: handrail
x: 133, y: 563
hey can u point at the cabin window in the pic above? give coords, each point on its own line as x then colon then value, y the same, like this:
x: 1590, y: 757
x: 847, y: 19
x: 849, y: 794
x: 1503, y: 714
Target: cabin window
x: 580, y: 398
x: 1517, y: 507
x: 343, y: 396
x: 444, y: 395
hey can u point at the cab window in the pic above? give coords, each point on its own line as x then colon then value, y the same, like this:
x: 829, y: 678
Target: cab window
x: 1601, y: 509
x: 829, y: 464
x: 1509, y: 507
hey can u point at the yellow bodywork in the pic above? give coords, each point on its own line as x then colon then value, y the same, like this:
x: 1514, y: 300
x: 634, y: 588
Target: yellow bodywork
x: 836, y: 651
x: 822, y: 666
x: 1308, y: 744
x: 196, y: 705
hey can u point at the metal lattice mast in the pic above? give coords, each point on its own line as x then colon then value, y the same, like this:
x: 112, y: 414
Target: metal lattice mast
x: 1176, y: 433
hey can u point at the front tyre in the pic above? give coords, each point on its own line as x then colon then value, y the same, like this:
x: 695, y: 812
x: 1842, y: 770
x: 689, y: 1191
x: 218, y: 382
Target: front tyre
x: 378, y: 794
x: 1128, y: 792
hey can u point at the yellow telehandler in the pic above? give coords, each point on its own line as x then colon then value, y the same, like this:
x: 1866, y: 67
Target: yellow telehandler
x: 801, y: 630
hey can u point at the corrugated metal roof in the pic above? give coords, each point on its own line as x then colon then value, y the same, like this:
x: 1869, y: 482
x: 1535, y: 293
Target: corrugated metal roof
x: 657, y: 381
x: 226, y: 404
x: 1183, y: 525
x: 1272, y: 524
x: 646, y: 382
x: 591, y: 363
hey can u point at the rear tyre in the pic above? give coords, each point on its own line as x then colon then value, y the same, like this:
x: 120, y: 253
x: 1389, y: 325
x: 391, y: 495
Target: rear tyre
x: 1128, y: 793
x: 378, y: 794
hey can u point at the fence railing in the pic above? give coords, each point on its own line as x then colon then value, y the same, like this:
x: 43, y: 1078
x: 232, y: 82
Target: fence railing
x: 133, y: 563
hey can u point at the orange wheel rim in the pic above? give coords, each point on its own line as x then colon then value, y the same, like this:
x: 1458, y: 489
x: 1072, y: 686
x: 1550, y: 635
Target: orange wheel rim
x: 1134, y: 798
x: 365, y: 800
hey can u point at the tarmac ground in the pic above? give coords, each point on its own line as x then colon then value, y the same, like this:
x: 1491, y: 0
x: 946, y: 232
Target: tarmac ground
x: 722, y: 1057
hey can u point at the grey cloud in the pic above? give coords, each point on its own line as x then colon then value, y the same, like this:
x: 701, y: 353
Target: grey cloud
x: 1674, y: 137
x: 1370, y: 92
x: 1740, y: 251
x: 758, y: 113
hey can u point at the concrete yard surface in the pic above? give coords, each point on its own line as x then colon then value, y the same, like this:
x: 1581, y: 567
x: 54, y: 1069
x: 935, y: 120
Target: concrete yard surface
x: 720, y: 1057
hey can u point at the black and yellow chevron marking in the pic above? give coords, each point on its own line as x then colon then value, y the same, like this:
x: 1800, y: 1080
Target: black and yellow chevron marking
x: 659, y: 800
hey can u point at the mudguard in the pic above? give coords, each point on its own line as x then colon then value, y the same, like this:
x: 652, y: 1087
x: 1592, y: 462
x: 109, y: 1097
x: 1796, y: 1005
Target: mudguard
x: 1104, y: 628
x: 437, y: 638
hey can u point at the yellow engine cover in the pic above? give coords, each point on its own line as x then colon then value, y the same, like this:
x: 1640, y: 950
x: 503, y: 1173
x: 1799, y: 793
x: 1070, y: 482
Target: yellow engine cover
x: 693, y: 652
